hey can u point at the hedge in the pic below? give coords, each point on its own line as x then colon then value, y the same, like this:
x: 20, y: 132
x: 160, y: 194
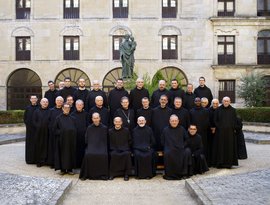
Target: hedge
x: 11, y: 116
x: 258, y: 114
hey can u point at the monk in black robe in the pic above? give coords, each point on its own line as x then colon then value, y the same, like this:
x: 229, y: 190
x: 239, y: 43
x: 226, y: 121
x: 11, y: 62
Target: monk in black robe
x: 199, y: 116
x: 177, y: 159
x: 96, y: 91
x: 176, y: 91
x: 67, y: 90
x: 54, y: 113
x: 127, y: 114
x: 211, y: 130
x: 158, y: 93
x: 189, y: 98
x: 137, y: 94
x: 30, y: 130
x: 41, y: 122
x: 65, y: 129
x: 82, y: 122
x: 115, y: 96
x: 160, y: 120
x: 51, y: 94
x: 241, y: 144
x: 146, y: 111
x: 203, y: 91
x: 120, y: 154
x: 101, y: 110
x: 81, y: 93
x: 96, y: 163
x: 225, y: 139
x: 70, y: 102
x: 194, y: 143
x: 144, y: 157
x: 181, y: 113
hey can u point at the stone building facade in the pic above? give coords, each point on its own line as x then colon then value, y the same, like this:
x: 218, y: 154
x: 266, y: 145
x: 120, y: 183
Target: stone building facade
x: 47, y: 40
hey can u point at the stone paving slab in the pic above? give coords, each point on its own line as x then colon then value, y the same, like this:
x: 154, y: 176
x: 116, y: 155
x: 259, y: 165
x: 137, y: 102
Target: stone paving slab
x: 11, y: 138
x: 241, y: 189
x: 257, y: 138
x: 20, y: 190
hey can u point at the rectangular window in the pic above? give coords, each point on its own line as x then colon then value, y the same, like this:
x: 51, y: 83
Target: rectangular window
x: 226, y: 7
x: 23, y: 48
x: 23, y: 9
x: 263, y: 50
x: 169, y: 47
x: 169, y: 8
x: 71, y: 9
x: 226, y: 50
x: 71, y: 48
x: 120, y: 8
x: 227, y: 88
x: 263, y: 8
x: 117, y: 40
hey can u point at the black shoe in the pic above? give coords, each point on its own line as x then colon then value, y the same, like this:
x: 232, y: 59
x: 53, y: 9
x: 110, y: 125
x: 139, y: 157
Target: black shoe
x: 62, y: 173
x: 39, y: 165
x: 104, y: 178
x: 126, y: 178
x: 111, y: 178
x: 71, y: 173
x: 83, y: 179
x: 168, y: 178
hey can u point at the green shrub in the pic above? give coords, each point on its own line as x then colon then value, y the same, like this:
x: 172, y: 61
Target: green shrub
x: 11, y: 116
x: 258, y: 114
x: 252, y: 90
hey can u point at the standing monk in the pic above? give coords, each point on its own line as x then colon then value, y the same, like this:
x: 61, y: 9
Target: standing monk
x: 157, y: 93
x: 96, y: 163
x: 115, y: 96
x: 54, y: 113
x: 199, y: 116
x: 82, y: 122
x: 30, y: 130
x: 65, y: 128
x: 51, y: 94
x: 41, y: 118
x: 225, y: 138
x: 160, y: 120
x: 203, y: 91
x: 81, y: 93
x: 137, y: 94
x: 176, y: 157
x: 96, y: 91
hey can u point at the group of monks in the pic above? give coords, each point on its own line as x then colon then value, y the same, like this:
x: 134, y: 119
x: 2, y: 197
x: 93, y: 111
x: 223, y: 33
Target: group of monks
x: 130, y: 133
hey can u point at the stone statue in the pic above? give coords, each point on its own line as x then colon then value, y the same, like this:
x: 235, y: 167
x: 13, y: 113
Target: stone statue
x: 127, y: 48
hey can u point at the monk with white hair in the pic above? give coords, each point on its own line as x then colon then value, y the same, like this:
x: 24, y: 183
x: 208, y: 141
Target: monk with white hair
x: 101, y: 110
x: 225, y: 143
x: 143, y: 142
x: 177, y: 159
x: 96, y: 91
x: 41, y: 123
x: 158, y: 93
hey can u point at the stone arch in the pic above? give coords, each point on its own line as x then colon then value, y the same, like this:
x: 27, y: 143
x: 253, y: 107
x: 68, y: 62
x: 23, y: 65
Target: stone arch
x: 71, y: 31
x: 75, y: 74
x: 169, y: 30
x: 110, y: 79
x: 21, y: 84
x: 170, y: 72
x: 22, y: 31
x: 120, y: 31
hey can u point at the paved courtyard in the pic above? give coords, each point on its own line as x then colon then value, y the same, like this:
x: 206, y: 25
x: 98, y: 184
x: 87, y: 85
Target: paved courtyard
x: 155, y: 191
